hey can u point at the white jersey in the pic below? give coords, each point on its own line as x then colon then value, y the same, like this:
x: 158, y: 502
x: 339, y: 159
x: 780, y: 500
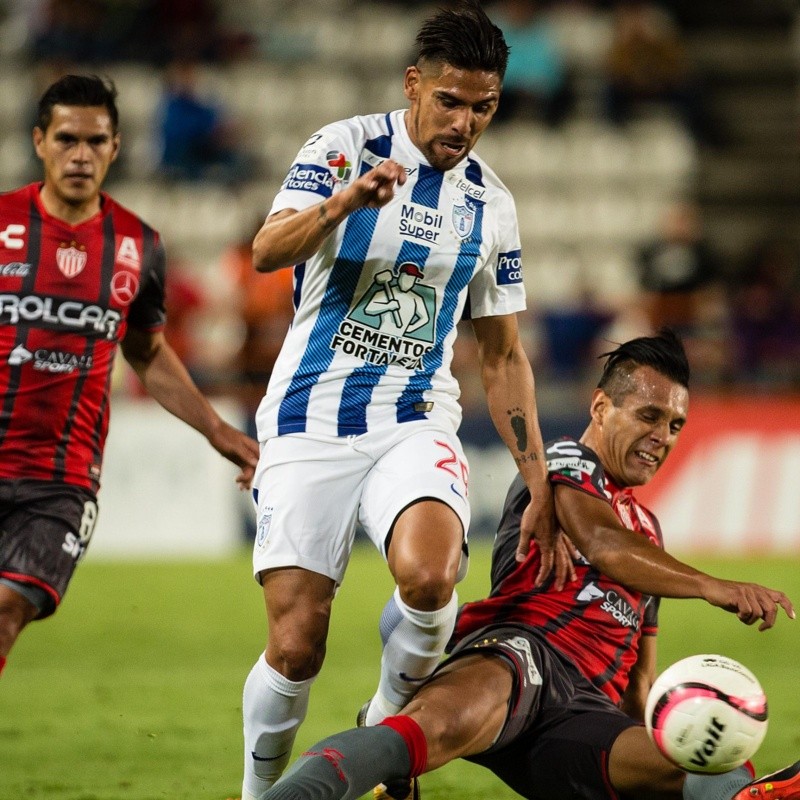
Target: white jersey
x: 377, y: 306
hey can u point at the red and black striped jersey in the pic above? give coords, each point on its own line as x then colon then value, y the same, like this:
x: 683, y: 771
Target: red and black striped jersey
x: 595, y: 622
x: 67, y: 295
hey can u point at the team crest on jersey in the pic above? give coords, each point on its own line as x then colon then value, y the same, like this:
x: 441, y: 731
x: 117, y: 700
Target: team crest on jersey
x: 393, y: 322
x: 464, y: 219
x: 128, y: 253
x: 71, y: 259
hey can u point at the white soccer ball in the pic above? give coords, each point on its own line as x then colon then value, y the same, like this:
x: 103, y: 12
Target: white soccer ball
x: 707, y: 714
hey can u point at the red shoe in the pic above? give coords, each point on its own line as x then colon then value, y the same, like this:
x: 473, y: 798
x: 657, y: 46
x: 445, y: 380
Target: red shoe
x: 781, y: 785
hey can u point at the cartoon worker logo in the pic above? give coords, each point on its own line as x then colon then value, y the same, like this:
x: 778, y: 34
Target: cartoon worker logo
x: 400, y: 305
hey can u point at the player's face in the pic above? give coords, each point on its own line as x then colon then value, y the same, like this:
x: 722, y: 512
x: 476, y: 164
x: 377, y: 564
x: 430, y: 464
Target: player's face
x: 76, y: 150
x: 450, y: 109
x: 634, y: 437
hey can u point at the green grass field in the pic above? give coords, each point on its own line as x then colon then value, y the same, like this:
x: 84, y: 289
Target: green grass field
x: 133, y: 690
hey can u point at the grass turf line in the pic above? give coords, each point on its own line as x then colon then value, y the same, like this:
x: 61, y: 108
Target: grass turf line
x: 133, y: 690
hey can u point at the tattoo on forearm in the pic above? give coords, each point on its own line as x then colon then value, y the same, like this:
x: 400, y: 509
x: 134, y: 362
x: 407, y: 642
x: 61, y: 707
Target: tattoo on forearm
x: 525, y: 459
x: 326, y: 222
x: 520, y: 429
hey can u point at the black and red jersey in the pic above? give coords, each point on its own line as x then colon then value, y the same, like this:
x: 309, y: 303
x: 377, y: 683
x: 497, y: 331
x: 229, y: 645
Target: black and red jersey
x: 596, y: 623
x: 67, y: 295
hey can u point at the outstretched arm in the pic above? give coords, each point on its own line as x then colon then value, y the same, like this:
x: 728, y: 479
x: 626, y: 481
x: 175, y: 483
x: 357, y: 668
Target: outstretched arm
x: 634, y: 561
x: 508, y: 381
x: 166, y: 379
x: 290, y: 237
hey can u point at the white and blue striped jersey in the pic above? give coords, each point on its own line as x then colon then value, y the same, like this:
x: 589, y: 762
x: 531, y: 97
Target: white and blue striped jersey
x: 377, y: 306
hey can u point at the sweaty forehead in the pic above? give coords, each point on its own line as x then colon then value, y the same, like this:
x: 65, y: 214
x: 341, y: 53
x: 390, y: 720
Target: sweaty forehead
x: 91, y: 119
x: 447, y: 77
x: 651, y: 388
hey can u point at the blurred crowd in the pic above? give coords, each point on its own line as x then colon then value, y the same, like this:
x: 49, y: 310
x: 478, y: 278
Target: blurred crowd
x: 740, y: 315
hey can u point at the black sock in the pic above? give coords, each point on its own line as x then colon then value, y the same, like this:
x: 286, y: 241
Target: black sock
x: 345, y: 766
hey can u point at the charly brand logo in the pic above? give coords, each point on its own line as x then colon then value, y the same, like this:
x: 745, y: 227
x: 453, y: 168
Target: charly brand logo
x: 11, y: 237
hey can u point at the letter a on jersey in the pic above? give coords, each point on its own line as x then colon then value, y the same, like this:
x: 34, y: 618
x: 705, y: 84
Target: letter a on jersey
x: 128, y: 253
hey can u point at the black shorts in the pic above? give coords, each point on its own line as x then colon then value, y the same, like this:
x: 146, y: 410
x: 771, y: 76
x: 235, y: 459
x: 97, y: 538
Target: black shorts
x: 45, y: 529
x: 560, y: 728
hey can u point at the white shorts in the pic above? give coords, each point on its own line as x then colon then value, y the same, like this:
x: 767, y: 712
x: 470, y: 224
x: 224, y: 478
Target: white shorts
x: 311, y: 490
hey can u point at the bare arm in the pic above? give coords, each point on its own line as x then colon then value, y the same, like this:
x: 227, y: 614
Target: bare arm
x: 634, y: 561
x: 640, y: 679
x: 290, y: 237
x: 167, y: 380
x: 508, y: 381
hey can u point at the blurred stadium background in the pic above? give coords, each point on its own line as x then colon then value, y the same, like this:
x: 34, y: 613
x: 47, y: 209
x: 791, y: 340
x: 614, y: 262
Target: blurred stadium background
x: 680, y: 207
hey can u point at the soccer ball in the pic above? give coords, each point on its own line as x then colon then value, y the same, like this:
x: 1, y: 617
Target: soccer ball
x: 707, y: 714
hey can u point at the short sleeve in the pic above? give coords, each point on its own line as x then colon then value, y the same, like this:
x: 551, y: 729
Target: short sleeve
x: 497, y: 288
x: 323, y: 166
x: 147, y: 311
x: 573, y: 464
x: 650, y: 621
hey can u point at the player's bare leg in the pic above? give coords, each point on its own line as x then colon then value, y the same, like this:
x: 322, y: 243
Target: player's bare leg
x: 15, y: 613
x: 277, y: 690
x: 436, y: 727
x: 424, y: 556
x: 637, y: 769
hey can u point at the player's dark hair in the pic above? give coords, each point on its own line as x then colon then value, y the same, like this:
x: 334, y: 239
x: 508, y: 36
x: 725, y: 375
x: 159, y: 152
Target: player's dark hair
x: 664, y: 352
x: 79, y: 90
x: 463, y: 37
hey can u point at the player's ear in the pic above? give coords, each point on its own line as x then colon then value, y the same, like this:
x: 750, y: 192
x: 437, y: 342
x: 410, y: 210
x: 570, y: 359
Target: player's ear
x: 38, y: 139
x: 116, y: 142
x: 411, y: 83
x: 599, y: 405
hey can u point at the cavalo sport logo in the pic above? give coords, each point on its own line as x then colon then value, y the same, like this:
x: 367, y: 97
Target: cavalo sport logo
x: 57, y: 362
x: 394, y: 322
x: 612, y: 603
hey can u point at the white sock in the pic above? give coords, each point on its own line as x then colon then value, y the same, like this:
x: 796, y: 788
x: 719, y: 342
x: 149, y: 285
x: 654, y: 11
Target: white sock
x: 273, y: 707
x: 413, y: 643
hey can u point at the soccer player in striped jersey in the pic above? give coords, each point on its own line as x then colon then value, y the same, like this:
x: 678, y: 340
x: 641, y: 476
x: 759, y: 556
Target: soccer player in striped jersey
x: 395, y: 229
x: 79, y: 275
x: 546, y: 685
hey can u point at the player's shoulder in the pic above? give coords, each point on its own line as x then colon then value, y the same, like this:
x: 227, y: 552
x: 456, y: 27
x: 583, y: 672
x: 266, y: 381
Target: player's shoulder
x: 124, y: 216
x: 481, y: 169
x: 567, y: 458
x: 354, y: 131
x: 17, y: 198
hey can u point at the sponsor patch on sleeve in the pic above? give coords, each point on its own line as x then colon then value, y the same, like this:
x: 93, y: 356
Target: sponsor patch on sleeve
x: 509, y: 268
x: 309, y: 178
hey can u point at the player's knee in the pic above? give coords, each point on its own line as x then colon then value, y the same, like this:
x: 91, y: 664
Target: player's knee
x: 15, y: 614
x: 295, y: 657
x: 427, y: 588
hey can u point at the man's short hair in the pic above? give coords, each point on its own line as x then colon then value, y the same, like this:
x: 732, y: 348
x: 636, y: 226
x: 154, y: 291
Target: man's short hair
x: 79, y: 90
x: 463, y: 37
x: 664, y: 352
